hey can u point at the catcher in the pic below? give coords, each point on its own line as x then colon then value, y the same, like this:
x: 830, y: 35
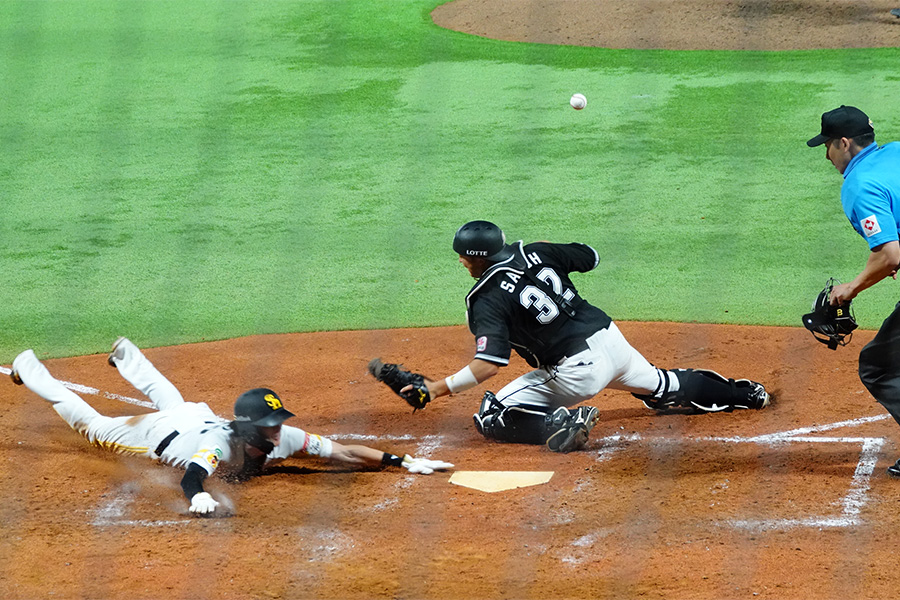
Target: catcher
x: 189, y: 435
x: 525, y: 300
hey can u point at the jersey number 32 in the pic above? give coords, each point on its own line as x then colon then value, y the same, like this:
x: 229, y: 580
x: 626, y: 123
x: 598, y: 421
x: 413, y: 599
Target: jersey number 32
x: 532, y: 296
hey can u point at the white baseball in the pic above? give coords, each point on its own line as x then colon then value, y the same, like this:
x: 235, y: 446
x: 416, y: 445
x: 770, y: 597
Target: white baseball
x: 578, y: 101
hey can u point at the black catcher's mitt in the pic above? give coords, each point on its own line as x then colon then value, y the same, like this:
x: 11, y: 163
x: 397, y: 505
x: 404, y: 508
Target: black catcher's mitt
x: 396, y: 378
x: 830, y: 324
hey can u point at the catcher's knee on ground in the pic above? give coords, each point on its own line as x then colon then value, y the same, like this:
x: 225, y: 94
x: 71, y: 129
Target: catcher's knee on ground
x: 562, y: 430
x: 708, y: 391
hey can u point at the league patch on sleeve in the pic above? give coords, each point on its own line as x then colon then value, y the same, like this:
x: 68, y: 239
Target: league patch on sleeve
x: 481, y: 344
x: 870, y: 226
x: 208, y: 458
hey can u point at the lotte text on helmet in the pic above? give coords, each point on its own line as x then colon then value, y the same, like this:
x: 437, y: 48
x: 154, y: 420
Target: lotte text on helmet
x: 481, y: 239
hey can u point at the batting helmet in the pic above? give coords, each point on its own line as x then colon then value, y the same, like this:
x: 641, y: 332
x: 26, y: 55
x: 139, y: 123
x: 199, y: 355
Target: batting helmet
x: 481, y: 239
x: 830, y: 324
x: 260, y: 407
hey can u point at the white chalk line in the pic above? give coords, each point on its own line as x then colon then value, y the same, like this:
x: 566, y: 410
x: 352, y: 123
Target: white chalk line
x: 112, y: 512
x: 851, y: 504
x: 83, y: 389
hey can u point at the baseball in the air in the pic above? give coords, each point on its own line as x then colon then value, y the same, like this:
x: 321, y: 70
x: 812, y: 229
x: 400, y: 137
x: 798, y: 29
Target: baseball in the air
x: 578, y: 101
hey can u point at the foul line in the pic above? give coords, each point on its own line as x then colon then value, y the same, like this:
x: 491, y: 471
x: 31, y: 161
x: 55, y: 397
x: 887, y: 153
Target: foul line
x: 83, y: 389
x: 851, y: 504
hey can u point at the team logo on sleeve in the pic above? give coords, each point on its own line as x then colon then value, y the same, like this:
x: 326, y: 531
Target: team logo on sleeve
x: 481, y: 344
x: 870, y: 226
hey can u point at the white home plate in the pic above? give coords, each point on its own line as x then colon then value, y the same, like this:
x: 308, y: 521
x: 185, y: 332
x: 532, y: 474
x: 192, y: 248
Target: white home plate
x: 498, y: 481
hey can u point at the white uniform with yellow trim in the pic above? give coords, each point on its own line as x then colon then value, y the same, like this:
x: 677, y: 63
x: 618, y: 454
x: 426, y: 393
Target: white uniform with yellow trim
x: 203, y: 437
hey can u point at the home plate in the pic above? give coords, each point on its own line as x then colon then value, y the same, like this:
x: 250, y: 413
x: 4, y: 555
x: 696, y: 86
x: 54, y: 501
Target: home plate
x: 498, y: 481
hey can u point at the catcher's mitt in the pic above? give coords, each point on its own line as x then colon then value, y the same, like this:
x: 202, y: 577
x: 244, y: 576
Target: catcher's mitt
x: 397, y: 379
x: 830, y: 324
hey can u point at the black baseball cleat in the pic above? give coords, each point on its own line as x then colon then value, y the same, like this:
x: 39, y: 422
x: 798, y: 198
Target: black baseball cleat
x: 894, y: 470
x: 574, y: 428
x: 14, y: 375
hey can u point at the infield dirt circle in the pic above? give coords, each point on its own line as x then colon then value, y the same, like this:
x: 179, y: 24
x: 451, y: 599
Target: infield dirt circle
x: 791, y: 502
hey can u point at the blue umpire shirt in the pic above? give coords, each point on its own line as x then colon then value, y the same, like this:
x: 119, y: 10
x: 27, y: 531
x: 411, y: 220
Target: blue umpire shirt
x: 870, y: 194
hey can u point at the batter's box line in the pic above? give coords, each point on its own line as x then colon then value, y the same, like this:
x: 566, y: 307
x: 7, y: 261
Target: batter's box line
x: 851, y: 504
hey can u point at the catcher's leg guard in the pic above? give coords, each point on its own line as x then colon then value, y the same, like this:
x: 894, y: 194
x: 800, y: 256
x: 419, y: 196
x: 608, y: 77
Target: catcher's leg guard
x: 523, y: 424
x: 661, y: 398
x: 563, y: 430
x: 708, y: 391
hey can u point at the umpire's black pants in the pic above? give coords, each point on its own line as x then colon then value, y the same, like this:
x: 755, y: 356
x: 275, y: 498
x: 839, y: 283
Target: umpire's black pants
x: 879, y: 364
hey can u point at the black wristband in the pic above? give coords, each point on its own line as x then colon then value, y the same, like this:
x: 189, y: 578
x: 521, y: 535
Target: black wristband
x: 391, y: 460
x: 192, y: 482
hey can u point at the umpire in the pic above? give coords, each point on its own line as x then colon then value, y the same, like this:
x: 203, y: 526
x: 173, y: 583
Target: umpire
x: 870, y: 196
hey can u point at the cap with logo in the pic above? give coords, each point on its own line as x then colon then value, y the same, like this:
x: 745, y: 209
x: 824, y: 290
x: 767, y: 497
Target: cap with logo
x: 842, y: 122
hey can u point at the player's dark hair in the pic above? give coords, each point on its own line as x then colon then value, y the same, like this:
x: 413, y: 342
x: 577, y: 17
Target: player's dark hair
x: 864, y: 139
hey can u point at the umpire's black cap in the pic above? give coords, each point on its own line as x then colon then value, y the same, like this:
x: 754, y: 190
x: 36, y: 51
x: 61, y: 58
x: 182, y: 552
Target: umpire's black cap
x: 842, y: 122
x: 261, y: 407
x: 481, y: 239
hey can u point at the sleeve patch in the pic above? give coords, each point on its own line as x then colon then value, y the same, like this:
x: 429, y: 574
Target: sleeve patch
x: 209, y: 459
x: 870, y: 226
x: 317, y: 445
x: 313, y: 444
x: 481, y: 344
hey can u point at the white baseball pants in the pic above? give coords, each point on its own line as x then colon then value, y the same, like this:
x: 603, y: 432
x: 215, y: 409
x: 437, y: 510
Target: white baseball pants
x: 609, y: 361
x: 133, y: 435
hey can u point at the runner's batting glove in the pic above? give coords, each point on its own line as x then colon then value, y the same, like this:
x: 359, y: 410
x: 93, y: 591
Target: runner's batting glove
x: 423, y: 466
x: 203, y: 504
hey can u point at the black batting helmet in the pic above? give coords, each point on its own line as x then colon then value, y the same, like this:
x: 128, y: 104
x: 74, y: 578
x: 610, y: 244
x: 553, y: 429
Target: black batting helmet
x: 481, y: 239
x: 260, y: 407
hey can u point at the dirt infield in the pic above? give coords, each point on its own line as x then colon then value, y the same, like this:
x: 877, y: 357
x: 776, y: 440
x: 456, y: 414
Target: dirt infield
x: 680, y: 24
x: 773, y: 504
x: 787, y: 503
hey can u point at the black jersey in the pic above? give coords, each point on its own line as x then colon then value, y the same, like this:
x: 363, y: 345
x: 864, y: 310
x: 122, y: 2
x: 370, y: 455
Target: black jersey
x: 527, y: 302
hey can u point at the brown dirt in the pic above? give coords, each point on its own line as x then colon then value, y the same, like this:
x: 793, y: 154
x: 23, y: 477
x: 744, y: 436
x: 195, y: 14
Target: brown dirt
x: 676, y: 506
x: 663, y: 512
x: 680, y: 24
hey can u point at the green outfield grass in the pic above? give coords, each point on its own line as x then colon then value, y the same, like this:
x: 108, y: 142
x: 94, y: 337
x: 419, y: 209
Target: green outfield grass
x: 185, y: 171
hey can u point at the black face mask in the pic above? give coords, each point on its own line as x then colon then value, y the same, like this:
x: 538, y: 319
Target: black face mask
x: 252, y: 437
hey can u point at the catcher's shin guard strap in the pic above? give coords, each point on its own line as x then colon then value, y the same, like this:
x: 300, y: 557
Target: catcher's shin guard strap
x: 661, y: 396
x: 489, y: 403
